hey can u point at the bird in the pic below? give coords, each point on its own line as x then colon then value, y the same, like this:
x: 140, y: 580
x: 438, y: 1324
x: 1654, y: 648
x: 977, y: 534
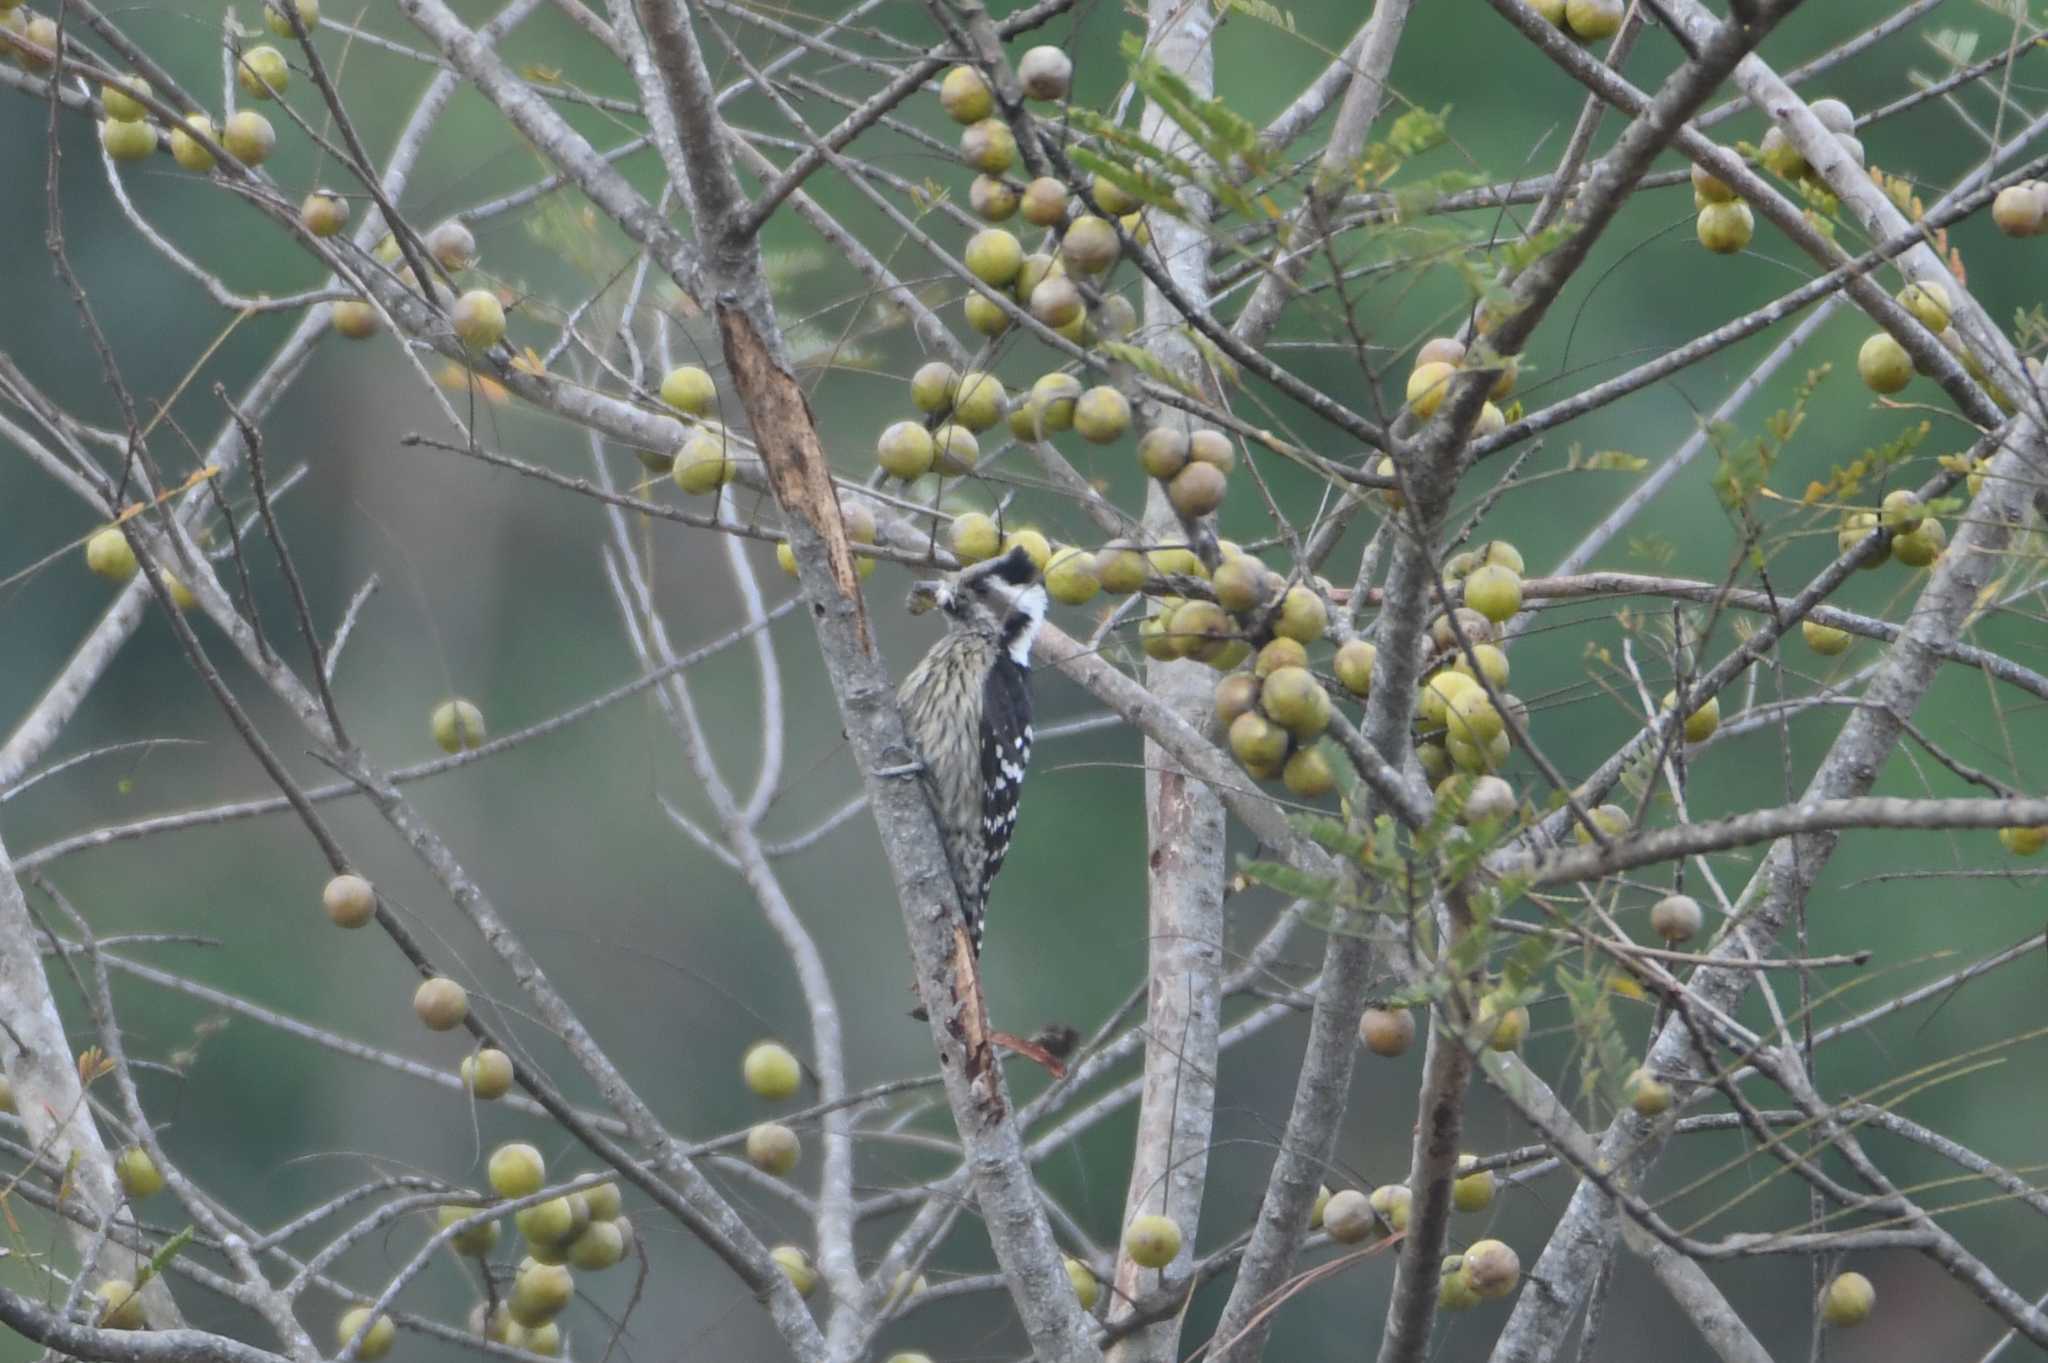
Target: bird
x: 967, y: 709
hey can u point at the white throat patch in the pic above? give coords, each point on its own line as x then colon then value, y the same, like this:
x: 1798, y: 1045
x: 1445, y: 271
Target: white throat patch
x: 1029, y: 602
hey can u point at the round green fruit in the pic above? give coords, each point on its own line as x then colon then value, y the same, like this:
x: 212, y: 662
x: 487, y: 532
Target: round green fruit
x: 476, y: 1242
x: 1152, y: 1241
x: 1086, y: 1289
x: 108, y: 554
x: 118, y: 98
x: 1592, y: 20
x: 479, y: 319
x: 1111, y: 197
x: 1611, y: 820
x: 1121, y: 568
x: 377, y: 1340
x: 992, y: 198
x: 1649, y: 1096
x: 1928, y: 301
x: 1495, y: 592
x: 1089, y: 245
x: 1293, y: 699
x: 770, y: 1071
x: 965, y: 95
x: 1392, y: 1201
x: 1308, y: 774
x: 187, y: 150
x: 355, y: 319
x: 2017, y: 211
x: 539, y: 1292
x: 120, y: 1308
x: 278, y: 20
x: 955, y: 451
x: 440, y: 1004
x: 1883, y: 364
x: 1258, y: 744
x: 1427, y: 385
x: 1702, y: 723
x: 796, y: 1266
x: 1240, y: 584
x: 1453, y: 1293
x: 979, y: 402
x: 1070, y: 577
x: 2023, y: 841
x: 1825, y: 640
x: 1472, y: 1192
x: 1236, y: 695
x: 1044, y: 203
x: 689, y: 389
x: 1348, y: 1217
x: 458, y: 726
x: 1102, y: 414
x: 1847, y: 1300
x: 702, y: 464
x: 262, y: 73
x: 138, y: 1173
x: 487, y: 1074
x: 905, y: 451
x: 932, y: 387
x: 1490, y: 1269
x: 1507, y: 1024
x: 985, y: 316
x: 1035, y: 545
x: 1725, y: 228
x: 1923, y: 546
x: 601, y: 1245
x: 1706, y: 187
x: 989, y: 146
x: 1197, y: 490
x: 1055, y: 301
x: 248, y: 137
x: 1056, y: 395
x: 994, y: 256
x: 126, y: 141
x: 1164, y: 451
x: 516, y: 1170
x: 974, y: 537
x: 1303, y: 616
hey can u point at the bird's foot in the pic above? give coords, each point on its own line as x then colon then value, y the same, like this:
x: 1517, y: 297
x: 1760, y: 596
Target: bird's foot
x: 904, y: 769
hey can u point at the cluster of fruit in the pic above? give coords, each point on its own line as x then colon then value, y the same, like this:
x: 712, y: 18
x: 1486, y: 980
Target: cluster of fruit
x: 1429, y: 382
x: 1725, y: 223
x: 127, y: 134
x: 477, y: 316
x: 1487, y: 1270
x: 1917, y: 538
x: 1586, y: 20
x: 1777, y: 154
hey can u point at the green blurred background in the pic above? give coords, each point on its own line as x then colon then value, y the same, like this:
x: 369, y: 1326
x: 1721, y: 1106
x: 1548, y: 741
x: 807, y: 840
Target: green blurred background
x: 492, y: 588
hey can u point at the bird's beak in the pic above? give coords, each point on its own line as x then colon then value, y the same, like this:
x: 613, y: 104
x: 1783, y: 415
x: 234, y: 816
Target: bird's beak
x: 925, y: 595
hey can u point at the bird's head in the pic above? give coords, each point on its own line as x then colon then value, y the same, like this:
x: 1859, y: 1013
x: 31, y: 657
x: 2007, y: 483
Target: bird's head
x: 999, y: 597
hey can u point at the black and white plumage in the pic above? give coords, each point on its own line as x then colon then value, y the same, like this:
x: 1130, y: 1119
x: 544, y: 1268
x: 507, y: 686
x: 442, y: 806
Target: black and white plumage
x: 967, y: 705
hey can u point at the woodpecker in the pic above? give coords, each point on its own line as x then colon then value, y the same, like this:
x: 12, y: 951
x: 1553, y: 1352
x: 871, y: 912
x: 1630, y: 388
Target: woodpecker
x: 967, y: 705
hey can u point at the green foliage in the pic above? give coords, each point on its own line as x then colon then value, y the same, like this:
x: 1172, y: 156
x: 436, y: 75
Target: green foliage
x: 1744, y: 471
x: 1604, y: 1060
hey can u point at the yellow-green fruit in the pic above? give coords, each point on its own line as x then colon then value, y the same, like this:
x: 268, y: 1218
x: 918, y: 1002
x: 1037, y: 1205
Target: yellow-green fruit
x: 1152, y: 1241
x: 1240, y: 584
x: 1507, y: 1024
x: 1592, y: 20
x: 1200, y: 629
x: 905, y: 451
x: 118, y: 97
x: 954, y: 450
x: 978, y: 403
x: 1611, y: 820
x: 354, y: 318
x: 1121, y: 568
x: 1055, y: 395
x: 1319, y: 1207
x: 1427, y: 385
x: 1471, y: 718
x: 125, y: 141
x: 2017, y: 211
x: 994, y: 256
x: 965, y: 95
x: 1102, y: 414
x: 1296, y: 701
x: 1210, y: 446
x: 186, y: 149
x: 1489, y: 798
x: 1725, y: 228
x: 1477, y: 757
x: 1387, y: 1032
x: 773, y: 1148
x: 262, y: 73
x: 1259, y: 745
x: 458, y: 726
x: 1236, y: 695
x: 539, y: 1293
x: 1902, y: 511
x: 1197, y: 490
x: 440, y: 1004
x: 1923, y: 546
x: 605, y: 1202
x: 992, y: 198
x: 138, y: 1173
x: 477, y: 1241
x: 1707, y: 187
x: 1279, y: 653
x: 1856, y: 528
x: 1649, y: 1096
x: 1453, y: 1293
x: 1701, y: 723
x: 1070, y: 577
x: 1676, y: 918
x: 452, y: 245
x: 1494, y: 591
x: 279, y: 22
x: 555, y: 1221
x: 479, y: 319
x: 985, y: 316
x: 1038, y: 267
x: 109, y: 555
x: 1391, y: 495
x: 1111, y: 197
x: 1491, y: 1269
x: 1437, y: 694
x: 931, y: 387
x: 1348, y: 1216
x: 1303, y: 616
x: 1035, y: 546
x: 689, y: 389
x: 349, y: 901
x: 974, y: 537
x: 545, y: 1340
x: 1025, y: 423
x: 1928, y: 302
x: 1044, y: 203
x: 377, y: 1340
x: 1055, y: 301
x: 771, y: 1071
x: 1492, y: 664
x: 1435, y: 759
x: 1472, y: 1192
x: 785, y: 557
x: 796, y: 1266
x: 1089, y: 245
x: 1825, y: 640
x: 487, y: 1074
x: 248, y: 137
x: 1114, y: 320
x: 1308, y: 774
x: 1883, y: 364
x: 988, y: 146
x: 2024, y: 841
x: 516, y: 1170
x: 324, y: 213
x: 1176, y: 560
x: 1392, y: 1201
x: 602, y: 1244
x: 1847, y: 1300
x: 121, y: 1308
x: 1780, y: 157
x: 1086, y: 1289
x: 1163, y: 451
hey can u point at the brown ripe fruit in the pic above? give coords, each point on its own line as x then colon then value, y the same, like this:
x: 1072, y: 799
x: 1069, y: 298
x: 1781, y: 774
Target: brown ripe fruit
x: 1057, y: 302
x: 965, y: 95
x: 1491, y: 1269
x: 989, y: 146
x: 440, y: 1003
x: 1197, y: 490
x: 1676, y: 918
x: 1089, y: 245
x: 349, y: 901
x: 1044, y: 203
x: 1210, y: 446
x: 1279, y: 653
x: 487, y: 1074
x: 1045, y: 73
x: 773, y: 1148
x: 1240, y: 583
x: 1163, y: 450
x: 452, y: 245
x: 992, y: 199
x: 1236, y: 694
x: 1441, y: 350
x: 324, y: 213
